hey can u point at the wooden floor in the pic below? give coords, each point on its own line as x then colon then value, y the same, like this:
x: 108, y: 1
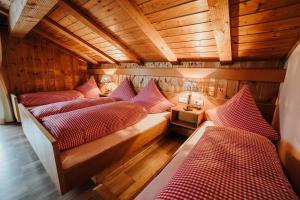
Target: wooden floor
x: 125, y: 181
x: 22, y: 175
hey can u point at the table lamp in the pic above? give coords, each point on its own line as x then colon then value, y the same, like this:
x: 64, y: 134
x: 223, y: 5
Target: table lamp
x: 189, y: 87
x: 106, y: 80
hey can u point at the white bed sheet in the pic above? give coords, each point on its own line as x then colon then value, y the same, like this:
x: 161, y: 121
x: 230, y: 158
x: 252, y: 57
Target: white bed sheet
x: 162, y: 179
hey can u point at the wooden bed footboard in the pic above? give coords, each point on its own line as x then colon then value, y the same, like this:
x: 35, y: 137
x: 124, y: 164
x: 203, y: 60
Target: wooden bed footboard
x: 44, y: 145
x: 15, y: 105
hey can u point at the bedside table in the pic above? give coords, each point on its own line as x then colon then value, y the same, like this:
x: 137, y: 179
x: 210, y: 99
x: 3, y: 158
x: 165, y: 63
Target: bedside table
x: 185, y: 122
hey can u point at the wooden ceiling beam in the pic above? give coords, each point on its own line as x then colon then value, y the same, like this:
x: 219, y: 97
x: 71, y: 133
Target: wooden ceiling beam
x: 77, y: 39
x: 66, y: 47
x: 24, y: 15
x: 219, y: 15
x: 266, y: 75
x: 91, y: 24
x: 145, y: 25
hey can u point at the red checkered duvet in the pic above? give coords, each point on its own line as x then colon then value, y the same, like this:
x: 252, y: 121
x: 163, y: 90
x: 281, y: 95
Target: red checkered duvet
x: 230, y: 163
x: 66, y: 106
x: 77, y: 127
x: 43, y: 98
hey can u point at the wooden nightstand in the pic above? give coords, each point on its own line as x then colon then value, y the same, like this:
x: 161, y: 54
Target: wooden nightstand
x: 185, y: 122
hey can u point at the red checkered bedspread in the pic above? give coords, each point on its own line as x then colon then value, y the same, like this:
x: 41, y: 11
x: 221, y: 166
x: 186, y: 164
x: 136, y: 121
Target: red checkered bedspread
x: 230, y: 163
x: 66, y: 106
x: 43, y: 98
x: 77, y: 127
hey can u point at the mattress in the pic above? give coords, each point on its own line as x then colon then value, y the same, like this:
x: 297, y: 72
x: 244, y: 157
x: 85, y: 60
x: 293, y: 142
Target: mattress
x: 152, y: 124
x: 163, y: 178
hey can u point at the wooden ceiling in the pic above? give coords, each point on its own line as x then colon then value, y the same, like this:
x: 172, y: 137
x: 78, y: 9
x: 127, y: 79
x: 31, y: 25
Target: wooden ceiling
x: 169, y: 30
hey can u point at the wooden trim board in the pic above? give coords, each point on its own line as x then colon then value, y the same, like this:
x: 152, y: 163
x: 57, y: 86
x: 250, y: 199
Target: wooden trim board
x: 264, y: 75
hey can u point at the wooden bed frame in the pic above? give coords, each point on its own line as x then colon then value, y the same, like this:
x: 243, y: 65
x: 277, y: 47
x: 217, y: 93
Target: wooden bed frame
x: 46, y: 148
x: 15, y: 106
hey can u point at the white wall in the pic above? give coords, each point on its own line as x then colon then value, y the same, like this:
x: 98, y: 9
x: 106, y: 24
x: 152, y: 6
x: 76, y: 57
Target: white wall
x: 289, y: 113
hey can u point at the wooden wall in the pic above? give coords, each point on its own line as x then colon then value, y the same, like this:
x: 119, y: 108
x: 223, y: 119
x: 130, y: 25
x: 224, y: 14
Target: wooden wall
x: 34, y: 64
x: 265, y: 93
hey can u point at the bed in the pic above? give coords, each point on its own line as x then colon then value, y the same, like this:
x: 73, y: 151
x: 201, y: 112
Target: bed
x: 72, y: 167
x: 42, y: 98
x: 227, y: 163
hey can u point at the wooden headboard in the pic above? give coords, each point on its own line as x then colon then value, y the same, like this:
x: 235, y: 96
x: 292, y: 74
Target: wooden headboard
x: 264, y: 83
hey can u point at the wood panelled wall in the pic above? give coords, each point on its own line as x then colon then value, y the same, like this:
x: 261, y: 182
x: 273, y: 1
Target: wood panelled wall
x: 34, y: 64
x: 265, y: 93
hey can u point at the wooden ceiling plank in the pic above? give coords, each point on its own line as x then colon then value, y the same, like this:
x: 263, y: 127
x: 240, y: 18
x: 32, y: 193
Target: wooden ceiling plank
x: 267, y: 16
x: 187, y: 20
x: 66, y: 47
x: 279, y: 44
x: 184, y: 30
x: 79, y: 40
x: 89, y: 22
x: 24, y: 15
x: 274, y: 26
x: 268, y: 37
x: 190, y: 37
x: 219, y: 14
x: 254, y: 6
x: 159, y: 5
x: 136, y: 14
x: 190, y: 8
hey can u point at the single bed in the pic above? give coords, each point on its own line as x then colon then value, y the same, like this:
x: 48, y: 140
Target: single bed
x: 163, y: 178
x: 221, y: 162
x: 72, y: 167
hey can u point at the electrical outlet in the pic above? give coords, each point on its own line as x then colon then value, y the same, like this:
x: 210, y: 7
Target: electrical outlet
x: 198, y: 102
x: 183, y: 99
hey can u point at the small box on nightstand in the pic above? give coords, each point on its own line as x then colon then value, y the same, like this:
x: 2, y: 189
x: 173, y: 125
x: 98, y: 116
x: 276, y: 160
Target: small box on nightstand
x: 185, y: 122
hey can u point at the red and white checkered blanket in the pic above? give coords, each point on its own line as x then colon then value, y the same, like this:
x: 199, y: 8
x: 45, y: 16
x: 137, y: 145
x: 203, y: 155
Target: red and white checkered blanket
x: 43, y: 98
x: 66, y: 106
x: 230, y: 163
x: 77, y: 127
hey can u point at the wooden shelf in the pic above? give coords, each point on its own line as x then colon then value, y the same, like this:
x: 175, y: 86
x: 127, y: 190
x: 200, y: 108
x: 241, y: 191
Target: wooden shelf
x: 186, y: 124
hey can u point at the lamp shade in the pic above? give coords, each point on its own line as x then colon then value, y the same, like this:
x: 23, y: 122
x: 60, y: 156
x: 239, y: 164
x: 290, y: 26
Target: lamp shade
x: 105, y: 79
